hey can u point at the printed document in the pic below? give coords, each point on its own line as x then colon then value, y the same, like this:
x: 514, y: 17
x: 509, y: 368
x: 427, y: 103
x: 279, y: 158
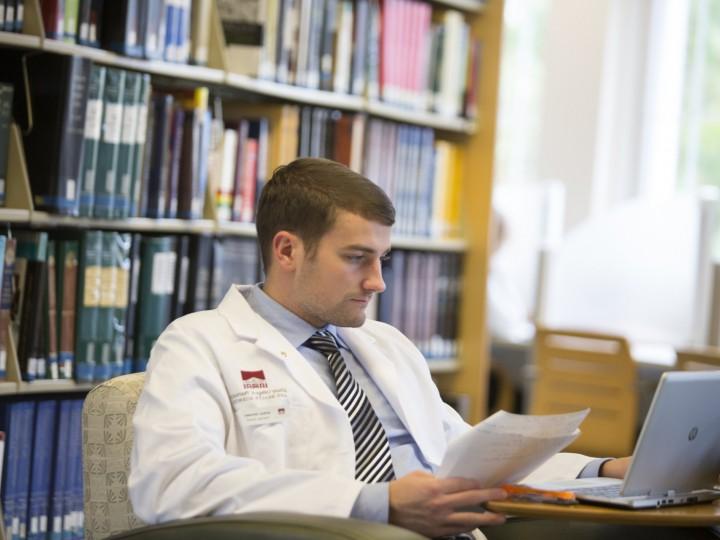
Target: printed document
x: 506, y: 447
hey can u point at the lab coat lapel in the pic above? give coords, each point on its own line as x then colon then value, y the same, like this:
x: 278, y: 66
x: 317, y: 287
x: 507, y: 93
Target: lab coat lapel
x: 400, y: 388
x: 249, y: 326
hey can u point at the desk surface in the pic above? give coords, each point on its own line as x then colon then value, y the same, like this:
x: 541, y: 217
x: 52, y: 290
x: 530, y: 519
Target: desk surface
x: 695, y: 515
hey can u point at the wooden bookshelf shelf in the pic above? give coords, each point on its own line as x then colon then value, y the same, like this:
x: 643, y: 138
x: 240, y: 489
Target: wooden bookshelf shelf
x: 46, y: 387
x: 471, y: 6
x: 20, y: 40
x: 453, y: 245
x: 298, y: 94
x: 443, y: 365
x: 167, y: 69
x: 8, y: 388
x: 260, y: 87
x: 14, y: 215
x: 422, y: 118
x: 236, y: 229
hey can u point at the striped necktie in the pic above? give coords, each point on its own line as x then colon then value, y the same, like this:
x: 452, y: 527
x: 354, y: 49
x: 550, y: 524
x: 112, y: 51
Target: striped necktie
x: 372, y: 451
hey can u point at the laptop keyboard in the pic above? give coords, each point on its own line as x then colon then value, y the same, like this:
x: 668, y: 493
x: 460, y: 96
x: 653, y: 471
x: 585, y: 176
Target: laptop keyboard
x: 613, y: 490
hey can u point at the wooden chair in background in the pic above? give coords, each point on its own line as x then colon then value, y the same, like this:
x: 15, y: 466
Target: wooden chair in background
x: 576, y: 370
x: 699, y: 359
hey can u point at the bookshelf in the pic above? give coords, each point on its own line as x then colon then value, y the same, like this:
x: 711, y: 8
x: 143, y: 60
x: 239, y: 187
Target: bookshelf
x: 463, y: 375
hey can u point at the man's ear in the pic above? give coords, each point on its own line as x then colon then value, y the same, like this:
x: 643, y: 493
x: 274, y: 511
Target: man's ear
x: 287, y: 250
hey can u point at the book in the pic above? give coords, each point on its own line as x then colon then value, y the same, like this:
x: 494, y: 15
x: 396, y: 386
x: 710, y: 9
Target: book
x: 155, y: 288
x: 174, y: 157
x: 128, y: 144
x: 12, y: 419
x: 31, y: 260
x: 91, y: 138
x: 66, y: 270
x: 88, y: 302
x: 109, y: 144
x: 199, y: 282
x: 41, y: 465
x: 70, y: 21
x: 105, y: 310
x: 242, y: 26
x: 178, y: 304
x: 89, y: 22
x: 157, y: 170
x: 58, y: 97
x: 122, y: 261
x: 53, y: 16
x: 6, y: 105
x: 140, y: 153
x: 151, y: 29
x: 50, y: 314
x: 200, y: 31
x: 6, y: 302
x: 120, y: 27
x: 20, y: 518
x: 60, y: 470
x: 132, y: 302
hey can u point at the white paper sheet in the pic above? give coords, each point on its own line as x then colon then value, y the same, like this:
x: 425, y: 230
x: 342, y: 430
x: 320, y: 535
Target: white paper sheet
x: 506, y: 447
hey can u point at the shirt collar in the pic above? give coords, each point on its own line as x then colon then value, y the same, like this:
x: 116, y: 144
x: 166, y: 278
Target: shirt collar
x: 296, y: 330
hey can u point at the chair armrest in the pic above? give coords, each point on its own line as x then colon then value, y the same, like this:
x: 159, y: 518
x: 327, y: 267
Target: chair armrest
x: 269, y: 526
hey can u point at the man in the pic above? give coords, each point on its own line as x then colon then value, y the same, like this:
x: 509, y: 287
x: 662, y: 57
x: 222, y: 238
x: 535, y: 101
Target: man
x: 286, y: 398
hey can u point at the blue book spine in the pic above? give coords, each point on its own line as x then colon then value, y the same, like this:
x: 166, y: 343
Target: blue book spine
x: 23, y: 485
x: 41, y: 468
x: 59, y: 471
x: 74, y: 495
x: 11, y: 423
x: 172, y: 14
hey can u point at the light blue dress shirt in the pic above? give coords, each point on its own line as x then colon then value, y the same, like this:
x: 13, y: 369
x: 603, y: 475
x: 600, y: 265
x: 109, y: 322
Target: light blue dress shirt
x: 373, y: 502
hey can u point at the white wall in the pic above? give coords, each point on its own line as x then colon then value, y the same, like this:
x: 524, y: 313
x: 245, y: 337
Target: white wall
x: 574, y: 48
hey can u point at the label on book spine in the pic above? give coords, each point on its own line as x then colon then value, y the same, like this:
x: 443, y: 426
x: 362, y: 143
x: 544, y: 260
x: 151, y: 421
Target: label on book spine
x: 93, y: 119
x: 113, y: 123
x: 130, y: 124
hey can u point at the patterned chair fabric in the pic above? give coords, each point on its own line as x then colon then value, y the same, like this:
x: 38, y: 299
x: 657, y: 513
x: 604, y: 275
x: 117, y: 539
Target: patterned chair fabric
x: 107, y: 443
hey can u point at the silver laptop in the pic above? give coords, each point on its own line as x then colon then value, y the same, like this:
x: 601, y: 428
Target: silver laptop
x: 677, y: 456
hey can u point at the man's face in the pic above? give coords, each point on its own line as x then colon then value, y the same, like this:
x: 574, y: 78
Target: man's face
x: 335, y: 283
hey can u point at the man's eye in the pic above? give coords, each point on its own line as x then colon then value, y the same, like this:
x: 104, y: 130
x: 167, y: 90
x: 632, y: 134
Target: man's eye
x: 355, y: 258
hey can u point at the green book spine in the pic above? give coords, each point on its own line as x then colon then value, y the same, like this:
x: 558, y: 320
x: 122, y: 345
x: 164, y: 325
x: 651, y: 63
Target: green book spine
x: 6, y: 100
x: 88, y: 304
x: 66, y: 279
x: 122, y: 263
x: 91, y: 138
x: 108, y: 282
x: 141, y: 148
x: 109, y: 146
x: 128, y: 143
x: 157, y: 282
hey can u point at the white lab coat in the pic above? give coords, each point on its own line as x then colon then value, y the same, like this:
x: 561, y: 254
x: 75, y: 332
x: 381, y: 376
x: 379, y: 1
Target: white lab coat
x: 210, y: 439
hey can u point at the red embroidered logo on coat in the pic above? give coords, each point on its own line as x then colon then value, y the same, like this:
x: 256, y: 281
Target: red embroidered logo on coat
x: 253, y: 379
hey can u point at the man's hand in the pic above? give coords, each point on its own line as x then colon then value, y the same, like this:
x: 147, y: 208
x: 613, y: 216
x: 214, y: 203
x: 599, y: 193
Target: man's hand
x: 439, y: 506
x: 615, y: 468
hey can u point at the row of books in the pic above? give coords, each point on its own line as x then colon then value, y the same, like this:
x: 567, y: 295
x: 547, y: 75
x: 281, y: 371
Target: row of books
x: 42, y: 487
x: 89, y: 305
x: 420, y: 174
x: 12, y: 15
x: 114, y: 147
x: 385, y: 49
x: 422, y: 299
x: 170, y: 30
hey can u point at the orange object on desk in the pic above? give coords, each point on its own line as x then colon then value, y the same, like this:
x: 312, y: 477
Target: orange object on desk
x: 517, y: 492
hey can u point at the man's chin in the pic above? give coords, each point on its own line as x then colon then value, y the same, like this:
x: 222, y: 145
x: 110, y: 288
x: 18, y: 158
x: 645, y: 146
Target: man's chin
x: 349, y: 321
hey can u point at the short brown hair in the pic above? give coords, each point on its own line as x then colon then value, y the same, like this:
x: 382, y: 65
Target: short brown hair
x: 303, y: 197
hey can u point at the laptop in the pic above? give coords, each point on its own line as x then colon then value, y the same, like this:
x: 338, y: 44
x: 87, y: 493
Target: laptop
x: 677, y: 456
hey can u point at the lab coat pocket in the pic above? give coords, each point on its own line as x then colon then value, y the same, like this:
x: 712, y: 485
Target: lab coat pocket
x: 263, y: 420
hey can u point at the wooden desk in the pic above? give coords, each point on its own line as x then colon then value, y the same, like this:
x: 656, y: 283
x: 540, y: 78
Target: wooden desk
x: 589, y: 522
x: 696, y: 515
